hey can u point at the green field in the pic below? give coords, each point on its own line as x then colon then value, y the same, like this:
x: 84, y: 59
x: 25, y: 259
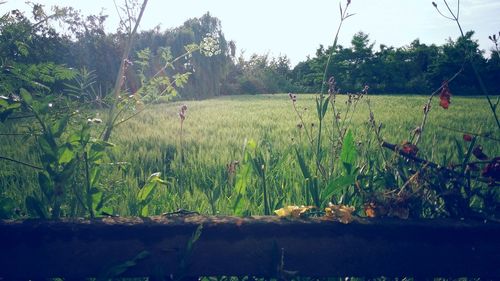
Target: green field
x: 197, y: 165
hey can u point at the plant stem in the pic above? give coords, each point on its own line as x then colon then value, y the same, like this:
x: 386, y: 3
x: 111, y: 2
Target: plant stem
x: 88, y: 185
x: 119, y: 77
x: 427, y: 106
x: 20, y: 162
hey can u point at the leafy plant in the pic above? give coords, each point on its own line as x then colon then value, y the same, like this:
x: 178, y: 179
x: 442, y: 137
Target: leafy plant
x: 145, y: 194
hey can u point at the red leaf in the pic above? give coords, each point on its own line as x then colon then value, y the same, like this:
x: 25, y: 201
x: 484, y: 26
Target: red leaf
x: 445, y: 96
x: 409, y: 148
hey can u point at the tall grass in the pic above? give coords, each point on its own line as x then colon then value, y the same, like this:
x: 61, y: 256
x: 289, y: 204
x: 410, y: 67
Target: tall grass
x: 215, y: 141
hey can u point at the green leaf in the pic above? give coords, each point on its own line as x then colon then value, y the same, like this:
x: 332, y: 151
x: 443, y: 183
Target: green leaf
x: 325, y: 108
x: 97, y: 198
x: 26, y: 96
x: 252, y: 145
x: 34, y: 206
x: 60, y: 126
x: 46, y: 185
x: 145, y: 211
x: 194, y: 238
x: 14, y: 105
x: 460, y: 150
x: 239, y: 197
x: 117, y: 270
x: 258, y: 164
x: 22, y: 48
x: 100, y: 145
x: 145, y: 193
x: 238, y: 205
x: 97, y: 150
x: 66, y: 155
x: 336, y: 185
x: 318, y: 107
x: 47, y: 149
x: 348, y: 154
x: 85, y: 135
x: 303, y: 166
x: 95, y: 174
x: 3, y: 103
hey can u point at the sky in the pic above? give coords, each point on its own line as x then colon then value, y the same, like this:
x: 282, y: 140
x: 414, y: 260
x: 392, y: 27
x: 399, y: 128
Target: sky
x: 296, y: 28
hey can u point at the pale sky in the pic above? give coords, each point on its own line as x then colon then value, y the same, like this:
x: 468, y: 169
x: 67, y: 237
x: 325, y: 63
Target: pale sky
x: 297, y: 27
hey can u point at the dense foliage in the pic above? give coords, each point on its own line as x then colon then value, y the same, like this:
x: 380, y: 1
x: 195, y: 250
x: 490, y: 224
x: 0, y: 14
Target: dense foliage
x: 34, y: 47
x: 416, y: 68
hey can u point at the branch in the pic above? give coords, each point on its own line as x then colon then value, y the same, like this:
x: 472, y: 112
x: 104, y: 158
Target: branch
x: 414, y: 158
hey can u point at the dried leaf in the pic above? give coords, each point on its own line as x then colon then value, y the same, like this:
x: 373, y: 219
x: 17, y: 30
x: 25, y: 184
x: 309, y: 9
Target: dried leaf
x: 293, y: 211
x: 370, y: 212
x: 341, y: 213
x: 492, y: 170
x: 445, y: 96
x: 478, y: 152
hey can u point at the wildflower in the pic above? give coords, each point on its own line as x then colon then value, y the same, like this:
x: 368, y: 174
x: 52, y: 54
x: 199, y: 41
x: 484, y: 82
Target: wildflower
x: 51, y: 104
x: 94, y: 120
x: 332, y: 86
x: 467, y: 137
x: 445, y: 95
x: 127, y: 63
x: 210, y: 45
x: 292, y: 97
x: 182, y: 112
x: 365, y: 89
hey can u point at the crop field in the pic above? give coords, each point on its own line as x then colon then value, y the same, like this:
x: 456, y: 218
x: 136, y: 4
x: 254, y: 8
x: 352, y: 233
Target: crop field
x: 204, y: 162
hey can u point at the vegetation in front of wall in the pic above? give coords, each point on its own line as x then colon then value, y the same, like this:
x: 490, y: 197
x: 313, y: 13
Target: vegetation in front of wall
x: 339, y: 153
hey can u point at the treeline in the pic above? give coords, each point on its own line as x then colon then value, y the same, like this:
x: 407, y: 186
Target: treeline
x: 415, y: 68
x: 31, y: 47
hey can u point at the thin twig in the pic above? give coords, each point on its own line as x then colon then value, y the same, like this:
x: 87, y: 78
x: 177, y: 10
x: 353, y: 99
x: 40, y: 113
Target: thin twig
x: 427, y: 106
x: 468, y: 57
x: 20, y: 162
x: 484, y: 135
x: 343, y: 16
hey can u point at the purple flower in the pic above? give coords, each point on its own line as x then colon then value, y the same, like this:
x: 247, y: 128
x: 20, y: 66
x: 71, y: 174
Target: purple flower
x: 182, y: 112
